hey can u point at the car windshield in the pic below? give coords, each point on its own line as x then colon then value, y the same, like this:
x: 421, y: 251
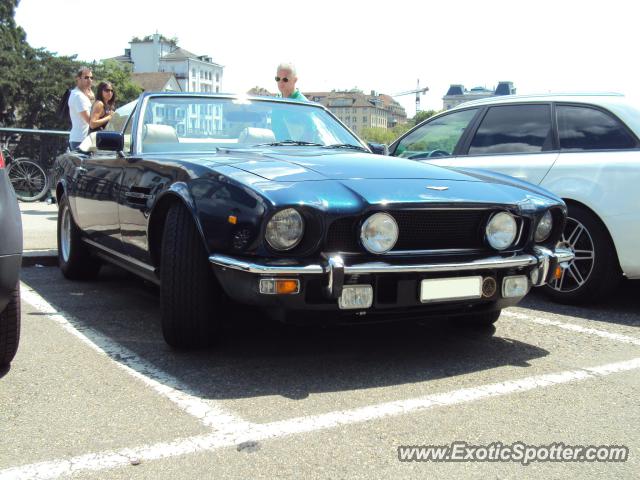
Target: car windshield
x: 190, y: 123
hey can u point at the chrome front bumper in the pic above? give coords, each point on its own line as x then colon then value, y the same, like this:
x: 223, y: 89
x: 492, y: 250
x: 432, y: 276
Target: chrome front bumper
x: 544, y: 262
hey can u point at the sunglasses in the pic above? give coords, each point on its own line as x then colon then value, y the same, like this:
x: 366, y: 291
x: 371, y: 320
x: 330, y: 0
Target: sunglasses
x: 284, y: 79
x: 88, y: 77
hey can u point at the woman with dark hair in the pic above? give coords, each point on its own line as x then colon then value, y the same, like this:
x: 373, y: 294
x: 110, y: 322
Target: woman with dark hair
x: 103, y: 108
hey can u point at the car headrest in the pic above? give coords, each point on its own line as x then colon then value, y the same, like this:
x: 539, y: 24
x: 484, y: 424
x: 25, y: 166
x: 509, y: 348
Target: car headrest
x: 254, y: 135
x: 89, y: 143
x: 155, y: 133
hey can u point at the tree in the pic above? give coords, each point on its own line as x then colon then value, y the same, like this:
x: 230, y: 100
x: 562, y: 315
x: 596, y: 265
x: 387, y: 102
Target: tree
x: 12, y: 51
x: 384, y: 135
x: 423, y: 115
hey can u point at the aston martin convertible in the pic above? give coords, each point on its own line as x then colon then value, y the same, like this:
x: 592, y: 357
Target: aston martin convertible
x: 227, y: 199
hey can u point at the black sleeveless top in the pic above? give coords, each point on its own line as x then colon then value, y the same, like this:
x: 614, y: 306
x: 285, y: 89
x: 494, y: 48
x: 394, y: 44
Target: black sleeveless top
x: 107, y: 111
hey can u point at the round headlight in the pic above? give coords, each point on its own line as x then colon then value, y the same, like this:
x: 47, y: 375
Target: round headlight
x: 285, y: 229
x: 545, y: 225
x: 379, y: 233
x: 501, y: 230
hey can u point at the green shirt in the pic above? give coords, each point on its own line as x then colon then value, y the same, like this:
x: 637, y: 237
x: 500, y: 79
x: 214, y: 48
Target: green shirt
x: 296, y: 95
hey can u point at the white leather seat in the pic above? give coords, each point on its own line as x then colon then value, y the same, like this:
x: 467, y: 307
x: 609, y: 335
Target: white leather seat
x: 254, y: 135
x: 156, y: 133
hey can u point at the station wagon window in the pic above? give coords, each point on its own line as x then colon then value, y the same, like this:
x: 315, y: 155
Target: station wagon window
x: 438, y: 137
x: 513, y: 129
x: 585, y: 128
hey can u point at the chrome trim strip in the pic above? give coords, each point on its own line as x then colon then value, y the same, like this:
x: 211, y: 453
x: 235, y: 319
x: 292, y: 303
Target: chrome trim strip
x: 126, y: 258
x: 518, y: 261
x: 274, y: 269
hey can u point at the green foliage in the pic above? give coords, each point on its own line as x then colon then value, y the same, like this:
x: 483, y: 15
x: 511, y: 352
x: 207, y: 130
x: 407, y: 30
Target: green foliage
x: 423, y: 115
x: 384, y: 135
x: 12, y: 52
x: 33, y: 80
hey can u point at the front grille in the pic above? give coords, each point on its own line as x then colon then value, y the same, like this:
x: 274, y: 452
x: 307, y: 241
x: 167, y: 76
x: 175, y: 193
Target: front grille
x: 419, y: 230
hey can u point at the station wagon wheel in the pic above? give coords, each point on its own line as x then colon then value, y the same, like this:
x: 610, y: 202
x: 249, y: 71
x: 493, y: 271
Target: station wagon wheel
x: 74, y: 258
x: 192, y: 301
x: 594, y: 272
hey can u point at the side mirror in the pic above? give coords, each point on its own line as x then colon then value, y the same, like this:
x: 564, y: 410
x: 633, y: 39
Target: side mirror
x: 111, y: 141
x: 378, y: 148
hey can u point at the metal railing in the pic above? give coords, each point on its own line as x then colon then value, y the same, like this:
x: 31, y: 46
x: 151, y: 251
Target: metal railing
x: 33, y: 145
x: 41, y: 146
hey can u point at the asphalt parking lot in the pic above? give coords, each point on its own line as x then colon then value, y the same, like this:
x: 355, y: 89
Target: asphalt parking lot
x: 94, y: 391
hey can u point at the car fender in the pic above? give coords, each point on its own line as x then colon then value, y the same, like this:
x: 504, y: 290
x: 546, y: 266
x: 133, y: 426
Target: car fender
x: 177, y: 192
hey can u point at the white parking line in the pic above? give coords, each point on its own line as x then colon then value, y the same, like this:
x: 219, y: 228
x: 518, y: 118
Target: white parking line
x: 210, y: 415
x: 256, y: 432
x: 616, y: 337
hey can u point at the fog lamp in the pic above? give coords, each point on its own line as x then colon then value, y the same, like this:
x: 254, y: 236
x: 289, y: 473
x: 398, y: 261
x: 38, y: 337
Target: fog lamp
x: 515, y: 286
x: 279, y: 286
x: 356, y: 296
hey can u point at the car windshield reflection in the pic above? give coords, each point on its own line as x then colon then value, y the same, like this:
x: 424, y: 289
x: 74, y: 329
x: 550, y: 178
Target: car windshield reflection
x: 179, y: 124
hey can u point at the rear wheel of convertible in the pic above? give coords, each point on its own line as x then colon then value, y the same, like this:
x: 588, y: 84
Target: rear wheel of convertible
x: 481, y: 319
x: 74, y: 258
x: 192, y: 301
x: 10, y: 328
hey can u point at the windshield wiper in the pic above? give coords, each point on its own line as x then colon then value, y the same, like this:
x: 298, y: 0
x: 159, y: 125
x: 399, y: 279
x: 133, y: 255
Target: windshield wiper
x: 289, y: 142
x: 347, y: 145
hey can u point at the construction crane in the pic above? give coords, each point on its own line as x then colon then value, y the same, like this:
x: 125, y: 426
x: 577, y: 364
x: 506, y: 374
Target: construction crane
x: 418, y: 91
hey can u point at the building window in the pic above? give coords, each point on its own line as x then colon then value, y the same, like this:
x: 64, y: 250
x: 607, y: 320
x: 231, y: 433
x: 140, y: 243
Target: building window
x: 217, y: 77
x: 364, y: 119
x: 193, y: 72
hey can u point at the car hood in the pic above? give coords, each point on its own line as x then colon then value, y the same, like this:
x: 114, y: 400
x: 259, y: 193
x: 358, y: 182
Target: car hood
x: 321, y: 164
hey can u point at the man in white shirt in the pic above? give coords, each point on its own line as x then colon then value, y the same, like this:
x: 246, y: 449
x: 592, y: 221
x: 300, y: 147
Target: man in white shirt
x: 80, y: 101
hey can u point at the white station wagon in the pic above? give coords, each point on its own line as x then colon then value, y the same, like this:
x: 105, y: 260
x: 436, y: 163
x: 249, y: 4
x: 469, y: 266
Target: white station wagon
x: 585, y: 148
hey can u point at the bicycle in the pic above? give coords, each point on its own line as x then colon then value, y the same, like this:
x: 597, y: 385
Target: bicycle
x: 29, y: 179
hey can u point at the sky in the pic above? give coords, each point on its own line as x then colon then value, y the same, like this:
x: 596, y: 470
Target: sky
x: 541, y: 46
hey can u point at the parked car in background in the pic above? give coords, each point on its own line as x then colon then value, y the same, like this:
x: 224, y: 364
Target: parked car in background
x: 274, y: 203
x: 10, y: 262
x: 584, y: 148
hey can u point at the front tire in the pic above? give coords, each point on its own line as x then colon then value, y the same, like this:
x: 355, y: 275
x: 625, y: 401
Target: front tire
x: 595, y: 272
x: 192, y: 301
x: 74, y: 258
x: 10, y: 328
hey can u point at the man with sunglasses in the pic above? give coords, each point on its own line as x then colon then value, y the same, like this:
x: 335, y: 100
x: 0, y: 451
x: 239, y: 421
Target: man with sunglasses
x: 80, y: 101
x: 286, y: 79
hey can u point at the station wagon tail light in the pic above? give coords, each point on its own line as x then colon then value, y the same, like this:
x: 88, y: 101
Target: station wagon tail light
x: 501, y: 230
x: 1, y: 160
x: 545, y: 225
x: 285, y: 229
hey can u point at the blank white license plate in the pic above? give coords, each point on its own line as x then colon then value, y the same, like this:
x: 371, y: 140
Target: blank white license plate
x: 443, y: 289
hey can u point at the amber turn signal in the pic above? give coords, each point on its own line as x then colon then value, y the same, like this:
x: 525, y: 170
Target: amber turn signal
x: 279, y: 286
x: 558, y: 273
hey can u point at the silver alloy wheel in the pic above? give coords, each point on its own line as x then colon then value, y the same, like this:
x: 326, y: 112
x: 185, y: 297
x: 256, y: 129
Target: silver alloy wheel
x: 65, y: 233
x: 577, y: 237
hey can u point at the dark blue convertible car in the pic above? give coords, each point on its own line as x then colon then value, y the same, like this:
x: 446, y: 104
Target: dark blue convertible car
x: 275, y: 203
